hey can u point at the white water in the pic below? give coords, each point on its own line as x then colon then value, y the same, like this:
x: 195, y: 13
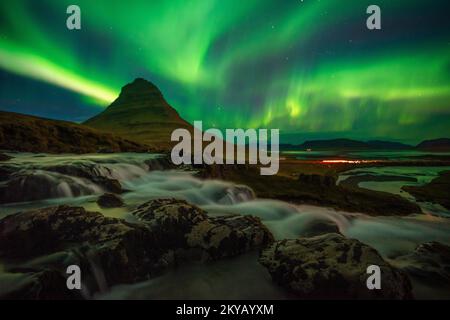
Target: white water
x: 391, y: 236
x: 220, y: 197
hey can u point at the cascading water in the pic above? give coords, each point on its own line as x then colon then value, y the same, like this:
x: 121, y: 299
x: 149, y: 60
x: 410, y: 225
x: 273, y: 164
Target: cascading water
x: 74, y: 180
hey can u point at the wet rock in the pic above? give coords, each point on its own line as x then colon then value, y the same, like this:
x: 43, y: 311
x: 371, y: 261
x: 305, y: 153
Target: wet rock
x: 170, y: 213
x: 160, y: 163
x: 319, y: 227
x: 105, y: 150
x: 53, y: 182
x: 317, y: 180
x: 332, y: 267
x: 5, y: 173
x: 237, y: 194
x: 430, y: 263
x: 111, y: 185
x: 321, y: 191
x: 437, y: 191
x: 110, y: 200
x: 30, y: 187
x: 40, y: 285
x: 122, y: 250
x: 4, y: 157
x: 94, y: 173
x: 182, y: 225
x: 37, y: 185
x: 112, y: 251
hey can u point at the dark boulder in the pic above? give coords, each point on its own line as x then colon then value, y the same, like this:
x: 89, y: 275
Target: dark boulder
x: 160, y: 163
x: 318, y: 227
x: 182, y: 225
x: 35, y: 285
x: 118, y: 248
x: 93, y: 172
x: 112, y: 251
x: 331, y: 266
x: 430, y: 263
x: 110, y: 200
x: 38, y: 185
x: 4, y: 157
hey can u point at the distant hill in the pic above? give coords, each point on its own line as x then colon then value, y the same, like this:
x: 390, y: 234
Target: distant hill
x: 442, y: 144
x: 340, y: 144
x: 348, y: 144
x: 25, y: 133
x: 142, y: 114
x: 388, y: 145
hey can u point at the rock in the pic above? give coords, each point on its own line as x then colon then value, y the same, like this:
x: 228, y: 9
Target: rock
x: 41, y: 285
x: 317, y: 179
x: 5, y: 173
x: 94, y: 173
x: 170, y: 213
x: 331, y: 266
x: 430, y: 263
x: 123, y: 251
x: 112, y: 251
x: 31, y: 186
x: 105, y: 150
x: 318, y: 190
x: 39, y: 185
x: 436, y: 191
x: 160, y: 163
x: 110, y: 200
x: 111, y: 185
x: 40, y: 182
x: 237, y: 194
x: 182, y: 225
x: 4, y: 157
x: 318, y: 227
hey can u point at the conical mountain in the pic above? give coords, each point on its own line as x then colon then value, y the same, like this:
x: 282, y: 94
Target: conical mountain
x: 140, y: 113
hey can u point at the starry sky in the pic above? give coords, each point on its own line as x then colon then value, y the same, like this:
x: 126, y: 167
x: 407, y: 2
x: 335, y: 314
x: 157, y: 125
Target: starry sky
x: 308, y: 67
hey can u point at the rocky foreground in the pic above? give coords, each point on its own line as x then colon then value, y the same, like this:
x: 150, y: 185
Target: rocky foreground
x: 37, y: 246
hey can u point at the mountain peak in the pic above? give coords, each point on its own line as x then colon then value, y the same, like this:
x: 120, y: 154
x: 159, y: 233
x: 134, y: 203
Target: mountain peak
x: 140, y: 88
x: 140, y: 113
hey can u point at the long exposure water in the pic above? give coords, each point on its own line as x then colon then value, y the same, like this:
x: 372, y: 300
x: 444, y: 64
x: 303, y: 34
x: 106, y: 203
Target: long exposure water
x: 139, y: 175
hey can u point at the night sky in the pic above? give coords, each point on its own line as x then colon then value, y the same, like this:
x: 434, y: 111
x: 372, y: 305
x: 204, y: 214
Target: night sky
x: 310, y: 68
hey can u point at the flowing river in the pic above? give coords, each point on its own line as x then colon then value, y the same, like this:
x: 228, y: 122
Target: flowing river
x: 141, y: 177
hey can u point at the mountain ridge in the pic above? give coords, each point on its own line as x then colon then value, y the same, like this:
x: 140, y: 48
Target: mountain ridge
x: 440, y: 144
x: 26, y: 133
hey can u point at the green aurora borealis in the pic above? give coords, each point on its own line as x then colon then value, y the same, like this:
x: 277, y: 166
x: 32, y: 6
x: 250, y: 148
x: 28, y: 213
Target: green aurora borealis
x: 310, y: 68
